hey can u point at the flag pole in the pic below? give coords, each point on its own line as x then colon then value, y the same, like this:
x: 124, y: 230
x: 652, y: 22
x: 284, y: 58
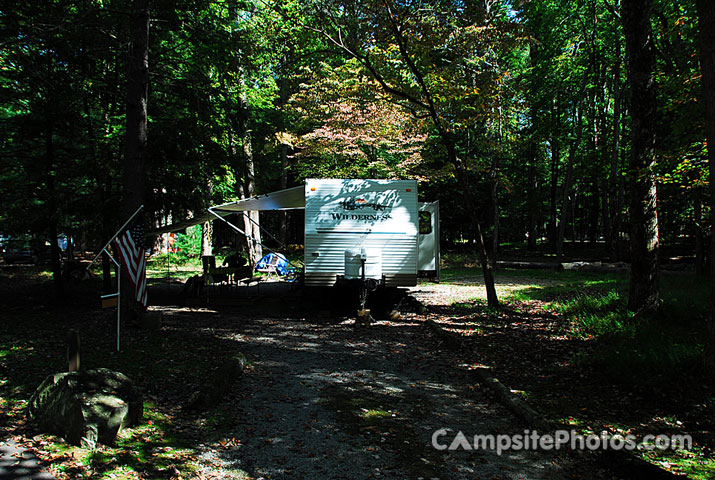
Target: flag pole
x: 116, y: 234
x: 119, y: 272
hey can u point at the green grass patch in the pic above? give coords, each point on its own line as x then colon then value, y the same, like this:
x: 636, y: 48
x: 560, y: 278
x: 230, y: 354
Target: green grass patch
x: 693, y: 462
x: 597, y: 314
x: 172, y: 265
x: 642, y: 350
x: 370, y: 413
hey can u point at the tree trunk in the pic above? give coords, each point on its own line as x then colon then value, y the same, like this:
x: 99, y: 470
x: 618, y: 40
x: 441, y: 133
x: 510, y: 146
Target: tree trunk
x: 595, y: 211
x: 107, y: 230
x: 614, y: 207
x: 52, y: 211
x: 699, y: 240
x: 206, y: 234
x: 554, y: 178
x: 471, y: 206
x: 494, y: 173
x: 566, y: 200
x: 134, y: 176
x: 494, y: 194
x: 533, y: 198
x: 438, y: 122
x: 251, y: 219
x: 706, y: 19
x: 644, y: 288
x: 283, y: 152
x: 532, y: 202
x: 553, y: 192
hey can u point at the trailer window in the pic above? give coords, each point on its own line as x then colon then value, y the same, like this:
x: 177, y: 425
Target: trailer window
x: 425, y: 223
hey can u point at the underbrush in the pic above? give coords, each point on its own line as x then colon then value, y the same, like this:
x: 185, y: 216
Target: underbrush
x: 639, y: 349
x: 174, y: 265
x: 625, y: 372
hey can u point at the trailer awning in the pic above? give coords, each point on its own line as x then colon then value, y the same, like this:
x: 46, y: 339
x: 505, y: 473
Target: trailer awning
x: 288, y: 199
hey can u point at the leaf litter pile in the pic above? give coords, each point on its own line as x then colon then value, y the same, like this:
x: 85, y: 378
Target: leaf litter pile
x: 320, y: 398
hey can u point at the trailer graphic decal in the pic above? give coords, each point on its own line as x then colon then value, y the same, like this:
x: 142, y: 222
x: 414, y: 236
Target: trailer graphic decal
x: 360, y: 217
x: 360, y: 203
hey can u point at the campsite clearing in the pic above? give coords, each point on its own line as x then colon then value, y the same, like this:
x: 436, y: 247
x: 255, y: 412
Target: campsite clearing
x: 322, y: 397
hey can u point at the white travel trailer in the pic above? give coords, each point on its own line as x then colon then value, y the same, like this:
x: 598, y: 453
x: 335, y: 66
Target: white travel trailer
x: 368, y: 230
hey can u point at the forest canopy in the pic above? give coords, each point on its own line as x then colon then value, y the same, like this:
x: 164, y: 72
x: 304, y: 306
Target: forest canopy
x: 525, y: 104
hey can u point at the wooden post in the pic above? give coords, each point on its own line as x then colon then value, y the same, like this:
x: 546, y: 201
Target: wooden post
x: 73, y: 350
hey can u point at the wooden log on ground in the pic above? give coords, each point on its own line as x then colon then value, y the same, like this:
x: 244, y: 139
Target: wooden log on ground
x: 596, y: 267
x: 449, y: 339
x: 510, y: 400
x: 527, y: 265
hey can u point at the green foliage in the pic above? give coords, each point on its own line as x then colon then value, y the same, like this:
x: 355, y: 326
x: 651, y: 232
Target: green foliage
x: 189, y: 244
x: 598, y: 314
x: 503, y: 81
x: 633, y: 349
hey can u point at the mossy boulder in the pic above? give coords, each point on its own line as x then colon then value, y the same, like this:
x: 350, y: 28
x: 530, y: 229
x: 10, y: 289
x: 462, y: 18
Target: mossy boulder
x: 86, y: 407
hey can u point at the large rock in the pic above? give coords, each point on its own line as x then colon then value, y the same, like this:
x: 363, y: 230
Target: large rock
x: 86, y: 407
x: 219, y: 383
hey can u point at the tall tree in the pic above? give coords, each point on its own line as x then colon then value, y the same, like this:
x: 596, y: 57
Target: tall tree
x: 434, y: 61
x: 644, y: 285
x: 134, y: 176
x: 706, y: 21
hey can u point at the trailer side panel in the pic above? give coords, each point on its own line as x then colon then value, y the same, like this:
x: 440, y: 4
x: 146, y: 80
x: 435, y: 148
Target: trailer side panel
x: 379, y: 216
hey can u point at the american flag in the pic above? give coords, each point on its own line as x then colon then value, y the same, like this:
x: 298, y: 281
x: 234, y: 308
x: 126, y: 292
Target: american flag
x: 130, y: 249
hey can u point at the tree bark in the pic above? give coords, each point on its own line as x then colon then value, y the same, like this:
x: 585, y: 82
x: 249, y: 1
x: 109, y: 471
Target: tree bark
x: 107, y: 227
x: 533, y: 198
x: 283, y: 152
x: 134, y: 175
x: 251, y: 219
x: 52, y: 211
x: 553, y: 192
x: 614, y: 208
x: 494, y: 193
x: 470, y: 203
x: 706, y: 20
x: 206, y: 234
x: 644, y: 286
x: 459, y: 164
x: 134, y: 178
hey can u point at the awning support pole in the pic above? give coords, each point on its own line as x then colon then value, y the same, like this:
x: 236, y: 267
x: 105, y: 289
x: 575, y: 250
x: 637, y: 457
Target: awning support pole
x: 245, y: 234
x: 119, y: 271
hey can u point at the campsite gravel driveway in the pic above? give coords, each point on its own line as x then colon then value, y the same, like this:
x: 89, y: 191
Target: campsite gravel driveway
x: 332, y: 401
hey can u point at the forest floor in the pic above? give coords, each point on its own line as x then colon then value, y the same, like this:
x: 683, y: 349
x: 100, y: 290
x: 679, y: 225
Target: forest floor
x: 565, y: 342
x: 322, y: 398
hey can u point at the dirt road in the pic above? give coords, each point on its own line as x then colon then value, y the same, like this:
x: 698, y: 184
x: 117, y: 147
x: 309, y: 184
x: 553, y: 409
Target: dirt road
x: 333, y: 402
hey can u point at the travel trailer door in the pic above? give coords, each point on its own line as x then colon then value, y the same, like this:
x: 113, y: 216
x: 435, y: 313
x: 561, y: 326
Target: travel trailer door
x: 428, y: 243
